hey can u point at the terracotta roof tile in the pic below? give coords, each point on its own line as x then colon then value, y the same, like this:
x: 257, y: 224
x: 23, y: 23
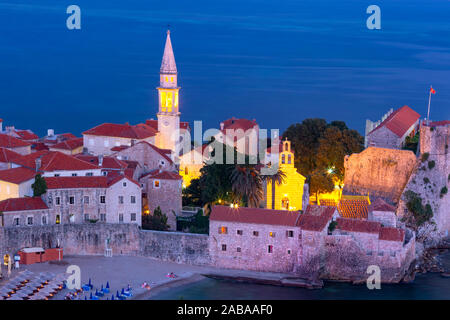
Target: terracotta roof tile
x: 399, y: 121
x: 70, y: 144
x: 353, y: 208
x: 7, y: 155
x: 354, y: 225
x: 7, y: 141
x: 108, y: 162
x: 163, y: 175
x: 27, y: 135
x: 17, y: 175
x: 392, y: 234
x: 22, y: 204
x: 54, y: 161
x: 235, y: 124
x: 315, y: 218
x: 254, y: 215
x: 138, y: 131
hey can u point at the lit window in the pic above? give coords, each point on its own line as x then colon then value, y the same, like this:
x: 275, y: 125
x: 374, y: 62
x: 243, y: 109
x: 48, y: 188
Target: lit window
x: 272, y: 234
x: 156, y: 184
x: 289, y: 159
x: 58, y: 219
x: 223, y: 230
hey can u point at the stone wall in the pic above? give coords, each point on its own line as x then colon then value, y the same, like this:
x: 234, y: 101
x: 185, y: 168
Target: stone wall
x: 379, y: 172
x: 427, y: 180
x: 124, y: 239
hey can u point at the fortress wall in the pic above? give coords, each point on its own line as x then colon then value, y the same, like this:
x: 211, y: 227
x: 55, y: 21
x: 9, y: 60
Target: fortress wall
x: 378, y: 171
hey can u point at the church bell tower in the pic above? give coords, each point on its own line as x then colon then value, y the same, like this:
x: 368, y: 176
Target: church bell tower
x: 168, y: 113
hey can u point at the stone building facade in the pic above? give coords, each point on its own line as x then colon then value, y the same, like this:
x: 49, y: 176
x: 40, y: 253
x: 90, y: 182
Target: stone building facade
x: 105, y: 199
x: 254, y: 239
x: 393, y: 130
x: 17, y: 212
x: 163, y: 189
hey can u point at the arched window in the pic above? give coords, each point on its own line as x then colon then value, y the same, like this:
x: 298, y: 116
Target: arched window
x: 289, y: 159
x: 283, y: 160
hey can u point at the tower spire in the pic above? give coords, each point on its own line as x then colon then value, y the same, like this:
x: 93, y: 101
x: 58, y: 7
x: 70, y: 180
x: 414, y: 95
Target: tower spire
x: 168, y: 65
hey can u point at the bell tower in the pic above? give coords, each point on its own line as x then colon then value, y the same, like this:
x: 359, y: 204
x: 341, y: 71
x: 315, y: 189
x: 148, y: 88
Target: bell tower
x: 168, y: 113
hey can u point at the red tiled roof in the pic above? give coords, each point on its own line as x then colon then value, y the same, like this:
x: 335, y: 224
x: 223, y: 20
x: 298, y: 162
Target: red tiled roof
x: 163, y: 175
x: 380, y: 205
x: 27, y: 135
x: 354, y: 209
x: 76, y: 182
x: 17, y: 175
x: 354, y: 225
x: 67, y: 135
x: 54, y: 160
x: 234, y: 124
x: 119, y: 148
x: 315, y: 218
x: 392, y: 234
x: 85, y: 181
x: 7, y: 141
x: 399, y: 121
x: 39, y: 146
x: 255, y: 215
x: 70, y: 144
x: 7, y: 155
x: 22, y: 204
x: 108, y: 162
x: 138, y: 131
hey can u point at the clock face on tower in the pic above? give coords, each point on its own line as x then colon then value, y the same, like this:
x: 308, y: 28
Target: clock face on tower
x: 166, y: 123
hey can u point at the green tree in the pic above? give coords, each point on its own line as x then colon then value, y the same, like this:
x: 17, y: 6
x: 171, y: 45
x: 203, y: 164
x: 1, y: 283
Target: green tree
x: 155, y: 221
x: 192, y: 195
x: 39, y: 186
x: 246, y: 184
x: 305, y: 142
x: 320, y: 182
x: 276, y: 179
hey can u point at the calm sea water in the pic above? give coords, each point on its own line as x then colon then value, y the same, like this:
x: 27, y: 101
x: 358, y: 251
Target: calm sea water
x: 428, y: 286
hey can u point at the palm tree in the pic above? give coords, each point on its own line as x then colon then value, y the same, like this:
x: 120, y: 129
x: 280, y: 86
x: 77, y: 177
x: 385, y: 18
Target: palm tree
x: 275, y: 179
x: 246, y: 183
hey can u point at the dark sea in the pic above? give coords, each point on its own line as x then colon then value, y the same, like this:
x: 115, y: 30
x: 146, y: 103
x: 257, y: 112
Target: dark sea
x: 278, y: 62
x: 431, y: 286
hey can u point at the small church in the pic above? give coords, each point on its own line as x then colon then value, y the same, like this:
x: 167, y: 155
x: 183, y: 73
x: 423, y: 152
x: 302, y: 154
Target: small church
x: 291, y: 194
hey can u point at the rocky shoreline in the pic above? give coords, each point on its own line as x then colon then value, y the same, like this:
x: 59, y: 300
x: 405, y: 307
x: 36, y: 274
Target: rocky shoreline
x: 431, y: 262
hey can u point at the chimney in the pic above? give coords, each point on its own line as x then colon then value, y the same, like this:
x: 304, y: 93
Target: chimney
x: 50, y: 132
x: 100, y: 160
x: 38, y: 162
x: 221, y: 126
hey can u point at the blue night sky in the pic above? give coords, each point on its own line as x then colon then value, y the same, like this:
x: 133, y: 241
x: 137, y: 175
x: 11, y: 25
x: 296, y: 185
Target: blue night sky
x: 276, y: 61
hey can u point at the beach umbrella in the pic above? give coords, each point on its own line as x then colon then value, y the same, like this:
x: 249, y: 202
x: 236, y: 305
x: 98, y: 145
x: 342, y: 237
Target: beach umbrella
x: 112, y: 297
